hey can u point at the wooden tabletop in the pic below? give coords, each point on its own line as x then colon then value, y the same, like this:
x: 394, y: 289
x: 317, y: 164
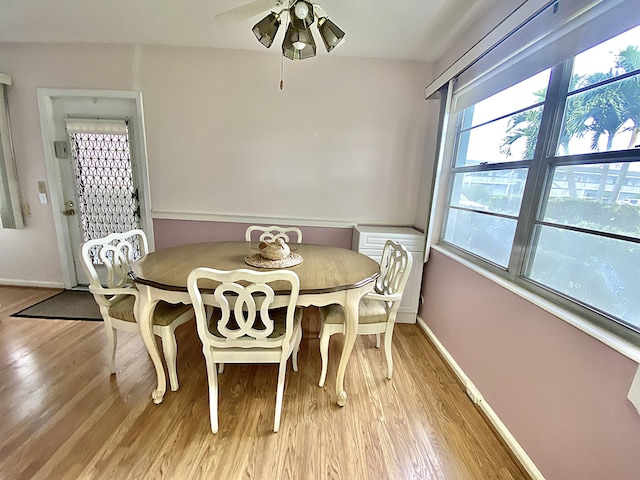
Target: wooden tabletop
x: 323, y: 270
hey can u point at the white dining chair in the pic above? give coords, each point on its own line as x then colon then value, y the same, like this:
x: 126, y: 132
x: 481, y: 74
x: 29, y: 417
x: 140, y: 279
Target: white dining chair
x: 109, y: 258
x: 269, y: 234
x: 249, y: 324
x: 377, y: 309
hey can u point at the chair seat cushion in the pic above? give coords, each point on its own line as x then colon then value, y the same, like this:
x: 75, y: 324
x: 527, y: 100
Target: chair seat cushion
x: 163, y: 315
x: 369, y: 311
x: 278, y: 315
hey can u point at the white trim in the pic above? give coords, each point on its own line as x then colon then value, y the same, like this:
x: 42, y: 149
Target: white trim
x: 64, y: 92
x: 45, y: 107
x: 30, y: 283
x: 477, y: 398
x: 239, y: 218
x: 634, y: 390
x: 514, y: 20
x: 5, y: 79
x: 441, y: 177
x: 140, y: 135
x: 618, y: 344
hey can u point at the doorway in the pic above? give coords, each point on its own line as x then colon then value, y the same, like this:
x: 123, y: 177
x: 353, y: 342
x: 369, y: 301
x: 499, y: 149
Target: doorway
x: 96, y: 168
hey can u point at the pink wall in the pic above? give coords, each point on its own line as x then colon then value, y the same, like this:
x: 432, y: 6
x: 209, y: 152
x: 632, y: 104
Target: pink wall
x: 169, y: 233
x: 560, y: 392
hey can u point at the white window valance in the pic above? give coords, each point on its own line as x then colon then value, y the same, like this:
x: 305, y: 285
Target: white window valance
x: 538, y: 34
x: 547, y: 40
x: 93, y: 125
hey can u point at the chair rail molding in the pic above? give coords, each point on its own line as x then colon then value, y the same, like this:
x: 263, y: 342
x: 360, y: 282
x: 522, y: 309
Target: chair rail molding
x: 248, y: 218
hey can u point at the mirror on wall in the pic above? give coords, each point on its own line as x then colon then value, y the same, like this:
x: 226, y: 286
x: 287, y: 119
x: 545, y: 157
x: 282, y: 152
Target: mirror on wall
x: 10, y: 212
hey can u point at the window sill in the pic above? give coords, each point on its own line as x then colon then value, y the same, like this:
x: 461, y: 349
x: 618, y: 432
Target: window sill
x: 618, y: 344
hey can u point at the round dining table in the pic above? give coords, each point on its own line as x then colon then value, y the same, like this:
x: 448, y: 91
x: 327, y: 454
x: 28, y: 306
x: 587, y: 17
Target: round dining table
x: 327, y: 275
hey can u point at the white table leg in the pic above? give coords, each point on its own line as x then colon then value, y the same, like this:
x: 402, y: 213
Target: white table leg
x: 146, y: 306
x: 352, y: 300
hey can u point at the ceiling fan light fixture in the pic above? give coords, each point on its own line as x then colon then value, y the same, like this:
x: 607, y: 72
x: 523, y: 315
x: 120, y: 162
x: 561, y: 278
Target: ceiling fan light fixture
x: 301, y: 14
x: 267, y: 28
x: 298, y: 41
x: 298, y: 44
x: 331, y: 34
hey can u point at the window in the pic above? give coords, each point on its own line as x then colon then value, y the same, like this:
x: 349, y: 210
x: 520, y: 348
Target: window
x: 10, y: 213
x: 491, y: 166
x: 544, y: 186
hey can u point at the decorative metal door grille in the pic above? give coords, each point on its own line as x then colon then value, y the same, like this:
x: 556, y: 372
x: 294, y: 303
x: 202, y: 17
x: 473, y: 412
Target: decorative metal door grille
x: 107, y: 196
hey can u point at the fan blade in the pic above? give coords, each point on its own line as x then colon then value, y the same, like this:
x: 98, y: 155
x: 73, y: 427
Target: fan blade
x: 248, y: 10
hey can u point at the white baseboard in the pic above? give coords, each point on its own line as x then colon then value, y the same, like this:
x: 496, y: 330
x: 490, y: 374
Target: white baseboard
x: 30, y: 283
x: 476, y: 397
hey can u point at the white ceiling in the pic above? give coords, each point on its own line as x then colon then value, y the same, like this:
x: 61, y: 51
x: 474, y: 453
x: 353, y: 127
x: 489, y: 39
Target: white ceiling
x: 393, y: 29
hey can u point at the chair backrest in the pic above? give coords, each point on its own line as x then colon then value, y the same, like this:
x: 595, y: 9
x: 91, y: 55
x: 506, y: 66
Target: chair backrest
x: 395, y: 267
x: 269, y: 234
x: 240, y: 295
x: 114, y: 253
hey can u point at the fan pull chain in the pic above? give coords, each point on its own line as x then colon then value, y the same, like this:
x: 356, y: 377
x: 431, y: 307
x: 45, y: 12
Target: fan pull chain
x: 281, y: 72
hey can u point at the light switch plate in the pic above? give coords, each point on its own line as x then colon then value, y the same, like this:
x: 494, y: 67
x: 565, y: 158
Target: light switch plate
x: 42, y: 192
x: 60, y: 148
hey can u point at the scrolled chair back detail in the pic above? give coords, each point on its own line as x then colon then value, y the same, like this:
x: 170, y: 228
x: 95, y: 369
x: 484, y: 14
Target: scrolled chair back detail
x: 244, y: 312
x: 117, y: 257
x: 395, y: 261
x: 270, y: 234
x: 248, y: 311
x: 115, y: 251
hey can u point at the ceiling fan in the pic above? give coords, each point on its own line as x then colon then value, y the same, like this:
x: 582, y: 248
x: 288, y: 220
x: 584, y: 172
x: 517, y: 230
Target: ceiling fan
x: 251, y: 9
x: 298, y: 41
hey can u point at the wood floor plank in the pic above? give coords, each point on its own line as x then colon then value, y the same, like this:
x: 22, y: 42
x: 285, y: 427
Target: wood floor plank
x: 65, y: 417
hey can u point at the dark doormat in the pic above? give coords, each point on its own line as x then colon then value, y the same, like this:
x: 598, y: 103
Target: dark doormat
x: 67, y: 305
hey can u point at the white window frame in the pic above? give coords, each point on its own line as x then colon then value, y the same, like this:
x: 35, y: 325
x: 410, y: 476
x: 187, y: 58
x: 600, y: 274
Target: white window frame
x: 10, y: 207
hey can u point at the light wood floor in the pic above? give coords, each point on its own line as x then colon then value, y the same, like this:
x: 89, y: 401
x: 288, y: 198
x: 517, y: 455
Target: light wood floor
x: 64, y: 417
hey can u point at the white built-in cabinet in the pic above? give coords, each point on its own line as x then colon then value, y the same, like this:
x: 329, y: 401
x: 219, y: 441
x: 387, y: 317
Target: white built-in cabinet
x: 370, y: 241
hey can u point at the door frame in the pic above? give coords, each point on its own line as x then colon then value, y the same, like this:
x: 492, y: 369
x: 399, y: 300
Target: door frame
x: 138, y: 143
